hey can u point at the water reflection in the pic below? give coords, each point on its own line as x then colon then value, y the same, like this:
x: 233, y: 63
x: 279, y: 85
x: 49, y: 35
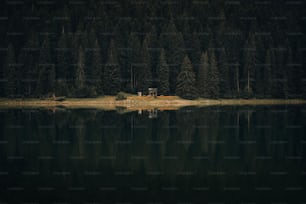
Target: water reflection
x: 213, y: 154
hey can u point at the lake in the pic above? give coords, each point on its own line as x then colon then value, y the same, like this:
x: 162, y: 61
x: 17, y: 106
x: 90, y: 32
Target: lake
x: 217, y: 154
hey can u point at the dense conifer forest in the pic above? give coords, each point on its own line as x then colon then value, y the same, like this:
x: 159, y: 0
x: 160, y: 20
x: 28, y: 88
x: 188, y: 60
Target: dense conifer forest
x: 208, y: 49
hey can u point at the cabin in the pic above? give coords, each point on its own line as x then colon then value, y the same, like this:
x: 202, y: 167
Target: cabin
x: 152, y: 92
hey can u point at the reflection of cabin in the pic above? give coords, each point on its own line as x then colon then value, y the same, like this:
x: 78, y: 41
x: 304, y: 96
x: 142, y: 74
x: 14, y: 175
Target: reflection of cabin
x: 152, y: 92
x: 152, y: 113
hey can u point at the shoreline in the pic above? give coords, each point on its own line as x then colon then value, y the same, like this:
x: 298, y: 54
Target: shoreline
x: 140, y: 102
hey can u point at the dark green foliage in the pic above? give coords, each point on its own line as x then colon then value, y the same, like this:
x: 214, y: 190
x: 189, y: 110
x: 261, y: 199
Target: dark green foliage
x: 135, y: 61
x: 97, y: 69
x: 213, y: 77
x: 10, y: 86
x: 186, y: 82
x: 63, y: 68
x: 173, y: 42
x: 121, y: 96
x: 145, y: 73
x: 121, y: 46
x: 249, y: 66
x: 163, y: 74
x: 267, y: 75
x: 79, y: 81
x: 112, y: 72
x: 46, y: 76
x: 225, y: 91
x: 29, y: 70
x: 203, y: 77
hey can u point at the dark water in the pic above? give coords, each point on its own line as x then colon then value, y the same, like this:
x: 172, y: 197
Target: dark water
x: 206, y: 155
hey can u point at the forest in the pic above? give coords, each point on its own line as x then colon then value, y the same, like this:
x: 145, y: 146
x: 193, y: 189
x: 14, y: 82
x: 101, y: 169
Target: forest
x: 193, y: 49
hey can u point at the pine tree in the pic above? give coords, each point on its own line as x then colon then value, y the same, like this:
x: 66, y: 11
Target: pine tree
x: 249, y: 65
x: 112, y: 71
x: 97, y: 69
x: 259, y: 84
x: 202, y: 79
x: 294, y: 74
x: 46, y: 77
x: 267, y: 75
x: 173, y: 42
x: 153, y: 44
x: 29, y: 69
x: 224, y: 74
x: 186, y: 82
x: 91, y: 49
x: 145, y: 74
x: 163, y: 74
x: 62, y: 59
x: 280, y: 85
x: 80, y: 73
x: 135, y: 61
x: 10, y: 73
x: 213, y: 76
x: 63, y: 70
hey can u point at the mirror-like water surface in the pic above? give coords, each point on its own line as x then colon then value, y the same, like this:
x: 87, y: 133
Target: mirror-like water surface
x: 205, y: 155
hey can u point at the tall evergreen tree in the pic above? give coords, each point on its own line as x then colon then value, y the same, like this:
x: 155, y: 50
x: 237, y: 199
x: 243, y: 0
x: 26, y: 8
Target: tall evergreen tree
x: 29, y: 65
x: 186, y: 82
x: 267, y: 75
x: 280, y: 85
x: 63, y: 71
x: 163, y: 74
x: 224, y: 74
x: 173, y: 42
x: 213, y: 76
x: 249, y: 65
x: 112, y: 71
x: 10, y: 86
x: 135, y: 61
x: 202, y: 79
x: 294, y: 73
x: 97, y: 68
x: 91, y: 49
x: 80, y: 73
x: 145, y: 74
x: 46, y: 77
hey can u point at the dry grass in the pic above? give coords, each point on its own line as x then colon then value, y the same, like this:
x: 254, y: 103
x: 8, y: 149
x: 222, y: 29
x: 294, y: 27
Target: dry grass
x: 134, y: 102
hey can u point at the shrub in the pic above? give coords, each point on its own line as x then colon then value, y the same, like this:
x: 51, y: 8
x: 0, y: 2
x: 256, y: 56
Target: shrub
x: 121, y: 96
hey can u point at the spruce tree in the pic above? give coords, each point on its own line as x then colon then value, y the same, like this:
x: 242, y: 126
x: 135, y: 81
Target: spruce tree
x: 249, y: 65
x: 213, y: 76
x: 10, y: 86
x: 135, y: 61
x: 91, y: 49
x: 202, y: 78
x: 173, y: 42
x: 145, y: 74
x: 46, y: 77
x: 63, y: 71
x: 28, y: 59
x: 80, y: 73
x: 186, y: 82
x: 97, y: 69
x: 267, y: 75
x: 224, y: 74
x: 112, y: 71
x: 163, y: 74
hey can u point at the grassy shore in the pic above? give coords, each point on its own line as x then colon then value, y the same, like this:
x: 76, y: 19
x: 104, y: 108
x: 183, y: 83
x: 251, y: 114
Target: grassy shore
x: 134, y: 102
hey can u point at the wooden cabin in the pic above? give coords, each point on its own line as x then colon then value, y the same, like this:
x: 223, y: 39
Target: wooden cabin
x: 152, y: 92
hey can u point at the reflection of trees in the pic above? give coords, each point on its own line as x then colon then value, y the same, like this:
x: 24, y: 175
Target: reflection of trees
x: 188, y: 148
